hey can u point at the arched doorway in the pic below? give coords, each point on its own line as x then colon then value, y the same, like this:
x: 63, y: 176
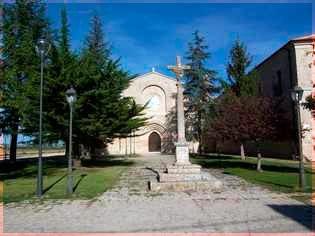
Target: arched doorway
x: 154, y: 142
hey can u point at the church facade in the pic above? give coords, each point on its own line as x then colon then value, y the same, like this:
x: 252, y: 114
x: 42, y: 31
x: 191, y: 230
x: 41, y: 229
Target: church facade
x: 159, y: 92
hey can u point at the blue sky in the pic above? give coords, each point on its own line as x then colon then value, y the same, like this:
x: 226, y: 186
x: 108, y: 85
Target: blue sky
x: 150, y: 35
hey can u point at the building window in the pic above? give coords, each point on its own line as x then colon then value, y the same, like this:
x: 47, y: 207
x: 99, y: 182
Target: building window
x: 277, y: 85
x: 154, y: 103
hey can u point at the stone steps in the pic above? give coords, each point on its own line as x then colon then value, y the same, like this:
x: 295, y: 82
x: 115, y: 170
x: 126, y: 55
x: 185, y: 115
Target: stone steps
x: 183, y: 186
x: 176, y: 177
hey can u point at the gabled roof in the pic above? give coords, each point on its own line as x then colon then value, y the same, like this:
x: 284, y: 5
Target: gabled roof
x: 154, y: 73
x: 307, y: 38
x: 303, y: 39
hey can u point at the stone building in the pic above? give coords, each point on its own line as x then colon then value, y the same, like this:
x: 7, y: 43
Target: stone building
x: 279, y: 73
x: 159, y: 91
x: 291, y: 66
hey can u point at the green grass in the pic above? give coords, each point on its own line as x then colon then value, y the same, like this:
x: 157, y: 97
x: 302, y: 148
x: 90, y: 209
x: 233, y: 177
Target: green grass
x: 277, y: 175
x: 91, y: 180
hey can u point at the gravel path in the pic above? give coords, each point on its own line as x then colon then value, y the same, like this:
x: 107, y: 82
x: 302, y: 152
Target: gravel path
x: 130, y: 207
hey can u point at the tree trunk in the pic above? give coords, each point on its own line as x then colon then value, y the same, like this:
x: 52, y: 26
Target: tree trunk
x: 199, y: 134
x: 199, y: 145
x: 13, y: 146
x: 242, y: 152
x: 76, y: 150
x: 14, y: 137
x: 258, y: 158
x: 126, y: 148
x: 67, y: 148
x: 259, y: 162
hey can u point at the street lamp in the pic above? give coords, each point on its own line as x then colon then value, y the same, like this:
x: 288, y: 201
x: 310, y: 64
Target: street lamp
x: 71, y: 98
x: 296, y: 95
x: 42, y: 49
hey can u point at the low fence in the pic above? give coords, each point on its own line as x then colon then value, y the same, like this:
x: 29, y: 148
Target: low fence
x: 29, y: 152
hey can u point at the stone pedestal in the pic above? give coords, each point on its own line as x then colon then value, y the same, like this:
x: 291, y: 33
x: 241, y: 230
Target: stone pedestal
x: 182, y: 154
x: 185, y: 177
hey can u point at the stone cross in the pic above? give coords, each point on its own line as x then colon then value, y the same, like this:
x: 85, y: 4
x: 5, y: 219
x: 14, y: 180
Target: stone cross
x: 182, y: 152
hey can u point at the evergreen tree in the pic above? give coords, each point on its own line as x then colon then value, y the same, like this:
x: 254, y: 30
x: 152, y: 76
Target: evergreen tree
x: 62, y: 75
x: 199, y: 87
x: 102, y: 112
x: 240, y: 82
x: 60, y: 71
x: 96, y: 44
x: 64, y: 44
x: 24, y: 23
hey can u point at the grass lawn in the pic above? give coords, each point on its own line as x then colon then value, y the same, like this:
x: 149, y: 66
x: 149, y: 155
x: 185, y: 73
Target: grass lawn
x: 91, y: 180
x: 277, y: 175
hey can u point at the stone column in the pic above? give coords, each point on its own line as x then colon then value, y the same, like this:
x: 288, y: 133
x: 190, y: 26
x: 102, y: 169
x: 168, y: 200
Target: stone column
x: 182, y: 150
x: 180, y: 115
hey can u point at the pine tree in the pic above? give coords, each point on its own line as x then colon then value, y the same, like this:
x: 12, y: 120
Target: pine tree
x: 199, y: 87
x: 96, y: 44
x: 24, y: 23
x: 62, y: 75
x: 240, y: 82
x: 102, y: 112
x: 60, y: 71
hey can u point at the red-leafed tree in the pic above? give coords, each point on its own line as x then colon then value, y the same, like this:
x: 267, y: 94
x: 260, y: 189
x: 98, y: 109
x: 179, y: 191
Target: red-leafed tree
x: 251, y: 118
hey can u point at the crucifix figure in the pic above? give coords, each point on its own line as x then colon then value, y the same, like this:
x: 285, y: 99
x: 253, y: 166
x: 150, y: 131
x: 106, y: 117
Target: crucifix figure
x: 182, y: 151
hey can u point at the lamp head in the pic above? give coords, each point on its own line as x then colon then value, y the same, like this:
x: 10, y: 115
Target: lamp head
x: 42, y: 46
x: 297, y: 94
x: 71, y: 95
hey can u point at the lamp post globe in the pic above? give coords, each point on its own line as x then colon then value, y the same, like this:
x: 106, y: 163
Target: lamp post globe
x: 71, y: 98
x: 42, y: 49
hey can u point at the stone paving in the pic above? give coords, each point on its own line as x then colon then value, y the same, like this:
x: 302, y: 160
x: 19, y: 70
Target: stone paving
x: 130, y: 207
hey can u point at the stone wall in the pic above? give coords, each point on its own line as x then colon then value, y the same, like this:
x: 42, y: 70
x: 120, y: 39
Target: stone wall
x: 290, y: 65
x: 304, y: 75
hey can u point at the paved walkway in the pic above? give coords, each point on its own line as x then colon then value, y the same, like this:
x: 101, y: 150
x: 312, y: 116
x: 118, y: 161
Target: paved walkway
x: 130, y: 207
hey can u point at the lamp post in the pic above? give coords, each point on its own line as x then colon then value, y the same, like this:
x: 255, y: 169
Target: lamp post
x: 71, y: 98
x: 296, y: 95
x: 42, y: 49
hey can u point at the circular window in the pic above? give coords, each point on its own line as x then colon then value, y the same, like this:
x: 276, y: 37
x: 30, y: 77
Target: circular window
x: 154, y: 102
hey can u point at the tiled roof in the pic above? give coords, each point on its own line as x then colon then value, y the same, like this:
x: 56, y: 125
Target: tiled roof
x: 306, y: 38
x: 303, y: 39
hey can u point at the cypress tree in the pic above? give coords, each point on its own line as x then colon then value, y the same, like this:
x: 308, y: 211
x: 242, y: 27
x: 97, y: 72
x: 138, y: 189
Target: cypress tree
x: 199, y: 87
x: 60, y: 71
x: 24, y: 23
x: 241, y: 83
x: 103, y: 113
